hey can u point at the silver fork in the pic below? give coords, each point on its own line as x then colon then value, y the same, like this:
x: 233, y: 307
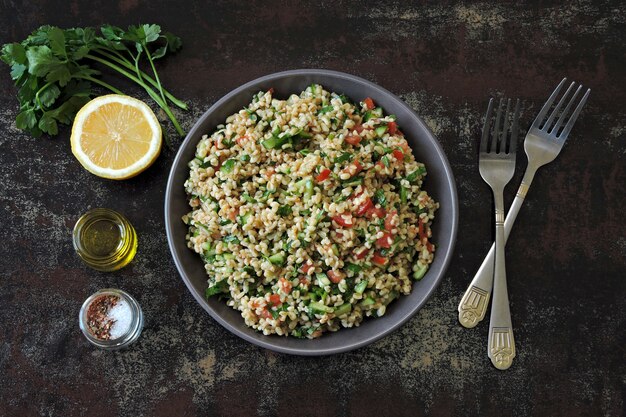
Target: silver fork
x: 542, y: 145
x: 496, y: 163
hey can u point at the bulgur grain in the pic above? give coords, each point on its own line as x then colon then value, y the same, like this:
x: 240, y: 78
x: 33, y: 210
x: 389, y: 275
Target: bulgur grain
x: 261, y: 212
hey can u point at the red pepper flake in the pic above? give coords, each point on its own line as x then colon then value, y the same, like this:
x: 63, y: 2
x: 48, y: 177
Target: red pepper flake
x: 98, y: 320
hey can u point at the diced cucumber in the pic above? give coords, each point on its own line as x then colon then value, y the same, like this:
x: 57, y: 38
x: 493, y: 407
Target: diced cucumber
x: 308, y: 188
x: 360, y: 287
x: 230, y: 239
x: 245, y: 218
x: 246, y: 197
x: 277, y: 258
x: 380, y: 130
x: 392, y: 296
x: 228, y: 166
x: 419, y: 272
x: 322, y: 278
x: 342, y: 309
x: 368, y: 302
x: 320, y: 308
x: 275, y: 141
x: 353, y: 267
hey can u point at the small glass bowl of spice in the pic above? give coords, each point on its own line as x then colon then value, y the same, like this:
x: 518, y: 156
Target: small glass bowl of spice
x: 111, y: 319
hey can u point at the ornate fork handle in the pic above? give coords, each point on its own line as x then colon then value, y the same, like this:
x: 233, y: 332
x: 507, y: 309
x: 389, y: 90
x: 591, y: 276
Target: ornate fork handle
x: 501, y: 344
x: 473, y: 305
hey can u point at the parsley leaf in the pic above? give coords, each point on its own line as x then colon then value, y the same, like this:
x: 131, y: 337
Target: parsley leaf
x: 54, y: 77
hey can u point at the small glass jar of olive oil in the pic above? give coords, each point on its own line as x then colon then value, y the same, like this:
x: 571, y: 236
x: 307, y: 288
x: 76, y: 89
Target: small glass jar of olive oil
x: 105, y: 239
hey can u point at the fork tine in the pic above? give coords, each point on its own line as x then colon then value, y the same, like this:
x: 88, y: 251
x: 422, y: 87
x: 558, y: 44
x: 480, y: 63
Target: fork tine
x: 496, y: 128
x: 486, y: 125
x: 546, y: 125
x: 505, y: 129
x: 546, y: 107
x: 574, y: 116
x: 514, y: 128
x: 559, y: 122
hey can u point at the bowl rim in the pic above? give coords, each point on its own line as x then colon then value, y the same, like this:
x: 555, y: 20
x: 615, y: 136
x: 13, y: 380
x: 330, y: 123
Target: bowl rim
x: 193, y: 133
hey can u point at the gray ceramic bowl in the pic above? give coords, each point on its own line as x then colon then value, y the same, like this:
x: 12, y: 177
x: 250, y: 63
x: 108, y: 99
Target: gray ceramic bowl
x: 439, y: 183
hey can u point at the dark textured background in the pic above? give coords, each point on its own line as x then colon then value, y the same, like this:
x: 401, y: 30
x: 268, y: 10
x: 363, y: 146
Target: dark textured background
x: 566, y: 257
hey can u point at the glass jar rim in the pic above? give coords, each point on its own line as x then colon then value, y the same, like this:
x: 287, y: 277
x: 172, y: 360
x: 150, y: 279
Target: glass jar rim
x: 84, y: 221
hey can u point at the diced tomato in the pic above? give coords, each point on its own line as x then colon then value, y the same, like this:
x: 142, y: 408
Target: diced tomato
x: 275, y: 300
x: 429, y: 247
x: 358, y: 167
x: 324, y: 174
x: 354, y: 168
x: 335, y: 277
x: 420, y: 229
x: 385, y: 241
x: 221, y: 160
x: 355, y: 195
x: 303, y: 280
x: 358, y: 128
x: 353, y: 140
x: 269, y: 172
x: 285, y: 285
x: 378, y: 259
x: 241, y: 140
x: 266, y: 314
x: 306, y: 267
x: 380, y: 165
x: 392, y: 128
x: 397, y: 153
x: 379, y: 212
x: 389, y: 220
x: 362, y: 254
x: 316, y: 333
x: 369, y: 103
x: 271, y: 90
x: 365, y: 206
x: 344, y: 220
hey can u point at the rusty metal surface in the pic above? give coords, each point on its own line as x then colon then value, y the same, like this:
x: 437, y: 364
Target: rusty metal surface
x: 566, y: 257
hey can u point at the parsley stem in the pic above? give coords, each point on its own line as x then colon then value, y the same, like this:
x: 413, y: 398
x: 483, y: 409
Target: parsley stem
x: 121, y: 60
x: 102, y: 83
x: 116, y: 68
x: 37, y: 99
x: 146, y: 87
x: 156, y: 75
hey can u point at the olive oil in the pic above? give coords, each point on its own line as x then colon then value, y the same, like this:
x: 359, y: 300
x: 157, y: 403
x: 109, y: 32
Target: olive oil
x: 105, y: 239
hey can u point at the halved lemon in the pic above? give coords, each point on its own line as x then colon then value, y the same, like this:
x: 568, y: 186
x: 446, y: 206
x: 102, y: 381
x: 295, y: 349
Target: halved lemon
x: 116, y: 136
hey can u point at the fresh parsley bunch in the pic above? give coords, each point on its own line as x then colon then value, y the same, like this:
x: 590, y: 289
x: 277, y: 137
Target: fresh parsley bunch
x: 52, y: 70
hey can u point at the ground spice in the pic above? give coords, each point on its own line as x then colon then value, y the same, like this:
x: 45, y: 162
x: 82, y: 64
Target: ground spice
x: 98, y: 320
